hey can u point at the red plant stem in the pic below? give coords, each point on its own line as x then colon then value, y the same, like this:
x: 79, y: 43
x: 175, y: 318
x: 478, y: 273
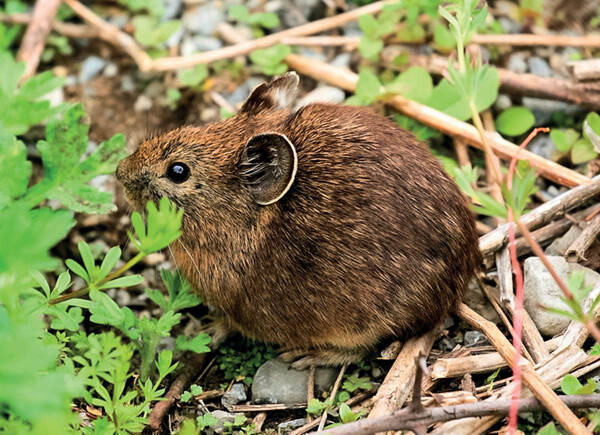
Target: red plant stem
x: 518, y: 309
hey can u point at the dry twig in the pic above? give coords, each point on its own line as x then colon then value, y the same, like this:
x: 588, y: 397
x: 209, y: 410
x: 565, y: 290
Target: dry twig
x: 34, y: 39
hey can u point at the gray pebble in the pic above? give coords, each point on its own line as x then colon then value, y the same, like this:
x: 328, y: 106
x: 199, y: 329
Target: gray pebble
x: 90, y: 68
x: 539, y: 67
x: 172, y: 9
x: 543, y: 146
x: 474, y: 338
x: 276, y: 382
x: 543, y: 110
x: 510, y: 26
x: 111, y: 70
x: 503, y: 102
x: 127, y: 83
x: 175, y: 39
x: 516, y: 63
x: 235, y: 395
x: 342, y: 60
x: 143, y: 103
x: 288, y: 426
x: 202, y: 20
x: 206, y: 43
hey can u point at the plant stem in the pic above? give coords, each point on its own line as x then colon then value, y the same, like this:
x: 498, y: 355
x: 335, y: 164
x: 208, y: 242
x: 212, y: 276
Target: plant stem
x: 492, y: 162
x: 84, y: 291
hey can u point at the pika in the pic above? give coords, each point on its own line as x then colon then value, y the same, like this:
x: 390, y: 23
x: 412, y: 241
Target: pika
x: 325, y: 230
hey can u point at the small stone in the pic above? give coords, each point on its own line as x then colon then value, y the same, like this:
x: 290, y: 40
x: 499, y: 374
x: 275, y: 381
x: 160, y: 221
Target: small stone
x: 235, y: 395
x: 342, y: 60
x: 90, y: 68
x: 503, y: 102
x: 516, y: 63
x: 206, y: 43
x: 127, y: 83
x: 312, y: 54
x: 540, y: 289
x: 154, y: 259
x: 288, y: 426
x: 276, y: 382
x: 543, y: 146
x: 543, y: 110
x: 71, y: 80
x: 560, y: 245
x: 142, y: 104
x: 474, y: 338
x: 510, y: 26
x: 202, y: 20
x: 222, y: 418
x: 154, y: 89
x: 111, y: 70
x: 322, y: 94
x: 209, y: 114
x: 118, y: 21
x: 55, y: 97
x: 175, y: 39
x: 539, y: 67
x: 172, y: 9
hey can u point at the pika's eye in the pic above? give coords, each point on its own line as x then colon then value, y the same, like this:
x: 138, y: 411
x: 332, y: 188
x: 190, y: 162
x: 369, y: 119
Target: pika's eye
x: 178, y: 172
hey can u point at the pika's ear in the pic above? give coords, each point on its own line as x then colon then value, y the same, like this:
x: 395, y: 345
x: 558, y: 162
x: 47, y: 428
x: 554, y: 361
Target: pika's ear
x: 276, y: 94
x: 268, y: 167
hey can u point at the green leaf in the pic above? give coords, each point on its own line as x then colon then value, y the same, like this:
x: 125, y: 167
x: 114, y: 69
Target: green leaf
x: 164, y: 363
x: 124, y: 281
x: 198, y: 344
x: 77, y: 269
x: 591, y: 129
x: 238, y: 13
x: 104, y: 310
x: 163, y: 227
x: 370, y: 48
x: 193, y: 76
x: 152, y: 33
x: 515, y: 121
x: 548, y: 429
x: 269, y: 60
x: 570, y: 385
x: 14, y: 167
x: 368, y: 87
x: 595, y: 349
x: 268, y: 20
x: 206, y: 420
x: 110, y: 259
x: 346, y: 414
x: 582, y: 151
x: 415, y: 84
x: 443, y: 38
x: 369, y: 25
x: 65, y: 319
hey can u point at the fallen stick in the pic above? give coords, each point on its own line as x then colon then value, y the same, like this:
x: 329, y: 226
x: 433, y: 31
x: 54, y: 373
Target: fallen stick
x: 178, y: 62
x: 346, y: 79
x: 112, y: 35
x: 530, y: 39
x: 576, y: 252
x: 69, y: 30
x: 397, y: 384
x: 543, y: 214
x: 190, y: 368
x: 587, y: 69
x: 267, y: 407
x: 34, y: 39
x: 530, y: 377
x: 407, y: 420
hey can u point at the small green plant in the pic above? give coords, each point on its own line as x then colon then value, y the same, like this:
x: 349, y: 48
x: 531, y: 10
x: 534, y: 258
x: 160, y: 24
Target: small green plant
x: 570, y: 385
x: 240, y: 360
x: 194, y: 390
x: 576, y: 304
x: 154, y: 7
x: 153, y: 33
x: 317, y: 407
x: 515, y: 121
x: 269, y: 61
x: 580, y: 148
x: 194, y: 76
x: 548, y: 429
x: 257, y: 21
x: 491, y: 379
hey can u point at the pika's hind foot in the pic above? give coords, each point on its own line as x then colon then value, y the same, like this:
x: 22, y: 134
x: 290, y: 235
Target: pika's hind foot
x: 219, y: 329
x: 302, y: 359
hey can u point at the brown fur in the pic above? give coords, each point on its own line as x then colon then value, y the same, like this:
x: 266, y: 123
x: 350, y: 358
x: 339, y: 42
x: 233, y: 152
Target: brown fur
x: 373, y: 239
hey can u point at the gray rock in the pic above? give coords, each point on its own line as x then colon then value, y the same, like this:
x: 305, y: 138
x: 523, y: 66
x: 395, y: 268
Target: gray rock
x: 322, y: 94
x: 154, y: 89
x: 142, y: 104
x: 235, y: 395
x: 118, y: 21
x: 202, y: 19
x: 128, y: 83
x: 543, y: 146
x: 544, y: 109
x: 541, y: 289
x: 342, y: 60
x: 276, y: 382
x: 222, y: 418
x: 474, y: 338
x: 310, y: 53
x: 206, y: 43
x: 560, y: 245
x: 539, y: 67
x: 510, y: 26
x: 111, y: 70
x: 172, y: 9
x: 90, y: 68
x: 516, y: 62
x: 352, y: 29
x: 71, y: 80
x: 288, y: 426
x: 503, y: 102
